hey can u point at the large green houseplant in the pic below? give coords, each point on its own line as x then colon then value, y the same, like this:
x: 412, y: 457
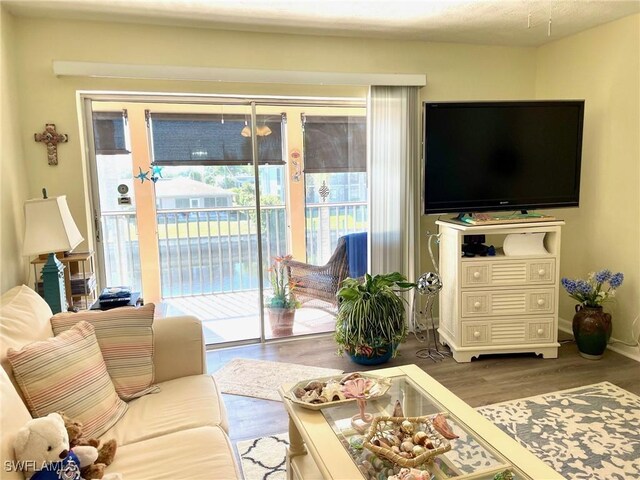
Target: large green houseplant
x: 371, y: 317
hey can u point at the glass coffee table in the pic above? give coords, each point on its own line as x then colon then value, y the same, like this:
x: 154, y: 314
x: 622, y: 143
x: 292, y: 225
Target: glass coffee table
x: 324, y: 444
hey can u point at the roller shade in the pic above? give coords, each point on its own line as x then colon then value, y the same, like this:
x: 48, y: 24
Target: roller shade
x: 202, y: 139
x: 335, y: 144
x: 109, y: 133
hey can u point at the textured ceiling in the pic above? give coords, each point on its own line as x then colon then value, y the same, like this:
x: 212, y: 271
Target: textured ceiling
x: 498, y: 22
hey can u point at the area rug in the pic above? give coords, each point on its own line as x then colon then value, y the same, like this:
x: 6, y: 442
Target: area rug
x: 261, y: 378
x: 264, y: 458
x: 590, y: 432
x: 583, y: 433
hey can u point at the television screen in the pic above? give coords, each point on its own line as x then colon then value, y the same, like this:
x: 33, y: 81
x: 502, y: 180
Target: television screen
x: 485, y: 156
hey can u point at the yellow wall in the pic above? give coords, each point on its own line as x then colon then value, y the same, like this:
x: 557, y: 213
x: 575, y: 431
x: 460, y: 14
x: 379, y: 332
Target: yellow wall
x: 453, y: 72
x: 602, y: 66
x: 13, y: 173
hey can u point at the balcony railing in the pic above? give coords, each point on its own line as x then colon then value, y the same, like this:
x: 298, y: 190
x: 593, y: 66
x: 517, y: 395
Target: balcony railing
x: 214, y: 250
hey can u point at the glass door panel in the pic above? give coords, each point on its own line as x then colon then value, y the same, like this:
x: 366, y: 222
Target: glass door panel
x: 115, y: 206
x: 206, y: 216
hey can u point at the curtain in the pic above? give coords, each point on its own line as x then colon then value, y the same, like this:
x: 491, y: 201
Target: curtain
x: 394, y: 161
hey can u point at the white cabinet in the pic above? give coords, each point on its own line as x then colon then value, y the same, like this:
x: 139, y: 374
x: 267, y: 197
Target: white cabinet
x: 499, y: 304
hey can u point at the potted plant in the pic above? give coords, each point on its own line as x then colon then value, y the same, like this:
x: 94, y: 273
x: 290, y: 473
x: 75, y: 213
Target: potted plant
x: 371, y: 317
x: 282, y: 303
x: 591, y: 326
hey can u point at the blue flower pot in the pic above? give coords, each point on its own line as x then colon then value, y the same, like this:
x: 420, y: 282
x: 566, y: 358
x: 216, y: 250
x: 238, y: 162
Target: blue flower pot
x: 375, y: 359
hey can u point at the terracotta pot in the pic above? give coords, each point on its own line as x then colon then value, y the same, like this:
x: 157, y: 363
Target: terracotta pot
x: 281, y: 320
x: 592, y: 330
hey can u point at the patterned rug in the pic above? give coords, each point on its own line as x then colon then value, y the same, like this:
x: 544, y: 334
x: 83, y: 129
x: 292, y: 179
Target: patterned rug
x: 264, y: 458
x: 590, y: 432
x: 261, y: 378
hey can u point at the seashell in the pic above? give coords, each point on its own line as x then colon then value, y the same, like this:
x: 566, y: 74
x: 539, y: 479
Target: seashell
x: 418, y: 450
x: 367, y: 464
x: 299, y: 392
x: 406, y: 426
x: 397, y: 410
x: 350, y: 376
x: 314, y: 385
x: 383, y: 443
x: 313, y: 397
x: 405, y: 454
x: 393, y: 440
x: 332, y: 392
x: 442, y: 426
x: 428, y: 445
x: 375, y: 442
x: 419, y: 438
x: 356, y: 442
x: 406, y: 446
x: 377, y: 463
x: 395, y: 449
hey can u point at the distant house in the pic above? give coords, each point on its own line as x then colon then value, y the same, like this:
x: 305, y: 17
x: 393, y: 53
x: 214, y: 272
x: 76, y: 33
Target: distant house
x: 185, y: 193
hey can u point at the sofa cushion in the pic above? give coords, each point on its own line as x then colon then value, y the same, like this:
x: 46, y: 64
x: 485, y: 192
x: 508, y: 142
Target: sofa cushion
x: 67, y: 373
x: 183, y: 403
x: 125, y: 336
x: 200, y: 453
x: 13, y: 416
x: 24, y: 318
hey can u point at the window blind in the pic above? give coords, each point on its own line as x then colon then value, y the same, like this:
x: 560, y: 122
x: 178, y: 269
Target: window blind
x: 109, y: 134
x: 214, y: 139
x: 335, y: 144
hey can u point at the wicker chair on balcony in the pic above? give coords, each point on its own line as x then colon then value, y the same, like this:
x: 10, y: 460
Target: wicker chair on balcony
x: 315, y: 282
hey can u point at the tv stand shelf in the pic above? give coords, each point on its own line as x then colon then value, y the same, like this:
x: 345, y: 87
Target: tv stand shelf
x: 499, y: 304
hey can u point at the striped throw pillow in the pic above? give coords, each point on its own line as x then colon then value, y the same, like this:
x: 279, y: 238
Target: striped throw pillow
x: 67, y: 373
x: 125, y: 336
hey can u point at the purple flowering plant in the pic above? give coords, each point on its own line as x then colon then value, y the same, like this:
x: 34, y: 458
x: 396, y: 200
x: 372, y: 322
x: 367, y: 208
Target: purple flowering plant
x: 597, y: 289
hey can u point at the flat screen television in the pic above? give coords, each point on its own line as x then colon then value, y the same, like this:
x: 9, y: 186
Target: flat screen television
x: 493, y: 156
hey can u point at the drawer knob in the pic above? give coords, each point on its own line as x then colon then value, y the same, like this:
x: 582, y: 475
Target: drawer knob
x: 476, y: 274
x: 477, y: 305
x: 476, y: 334
x: 541, y: 272
x: 541, y: 301
x: 540, y: 331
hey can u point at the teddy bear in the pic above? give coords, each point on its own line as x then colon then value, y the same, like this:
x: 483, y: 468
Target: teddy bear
x: 42, y: 446
x: 106, y: 452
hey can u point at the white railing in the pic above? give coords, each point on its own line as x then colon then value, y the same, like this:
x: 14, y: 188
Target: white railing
x: 214, y: 250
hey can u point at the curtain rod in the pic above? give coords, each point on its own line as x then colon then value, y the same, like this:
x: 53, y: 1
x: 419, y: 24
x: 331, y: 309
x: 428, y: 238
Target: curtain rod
x: 62, y: 68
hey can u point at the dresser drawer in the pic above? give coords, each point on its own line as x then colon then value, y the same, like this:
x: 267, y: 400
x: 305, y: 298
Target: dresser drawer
x: 507, y: 302
x: 507, y: 332
x: 500, y: 273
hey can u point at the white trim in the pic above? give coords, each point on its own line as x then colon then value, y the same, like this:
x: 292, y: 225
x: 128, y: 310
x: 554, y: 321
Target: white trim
x: 631, y: 352
x: 63, y: 68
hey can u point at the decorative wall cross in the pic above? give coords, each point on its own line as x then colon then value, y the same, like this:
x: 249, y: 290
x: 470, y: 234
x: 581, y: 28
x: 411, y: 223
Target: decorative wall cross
x: 51, y: 139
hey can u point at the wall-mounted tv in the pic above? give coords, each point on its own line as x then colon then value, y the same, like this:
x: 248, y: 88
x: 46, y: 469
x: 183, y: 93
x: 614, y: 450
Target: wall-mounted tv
x: 490, y: 156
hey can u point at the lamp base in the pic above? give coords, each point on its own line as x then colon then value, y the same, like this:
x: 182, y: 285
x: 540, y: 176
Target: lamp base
x: 53, y: 284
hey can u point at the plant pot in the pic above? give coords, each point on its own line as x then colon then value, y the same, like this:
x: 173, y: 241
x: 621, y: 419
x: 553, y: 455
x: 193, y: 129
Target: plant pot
x: 379, y: 355
x: 592, y: 330
x: 281, y: 320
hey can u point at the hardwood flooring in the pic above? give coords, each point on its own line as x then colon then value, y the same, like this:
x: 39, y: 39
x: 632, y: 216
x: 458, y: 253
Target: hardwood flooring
x: 489, y: 380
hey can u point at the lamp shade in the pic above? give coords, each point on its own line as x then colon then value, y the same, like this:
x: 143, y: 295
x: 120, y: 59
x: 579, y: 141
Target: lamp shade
x: 49, y: 226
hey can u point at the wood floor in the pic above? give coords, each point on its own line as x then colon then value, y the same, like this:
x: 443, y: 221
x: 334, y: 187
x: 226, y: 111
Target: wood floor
x: 489, y: 380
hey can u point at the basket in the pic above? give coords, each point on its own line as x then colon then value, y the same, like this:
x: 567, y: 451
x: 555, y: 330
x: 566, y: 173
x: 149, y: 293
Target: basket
x: 384, y: 425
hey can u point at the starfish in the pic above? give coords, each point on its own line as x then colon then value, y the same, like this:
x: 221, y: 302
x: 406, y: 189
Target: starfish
x: 156, y: 171
x: 142, y: 175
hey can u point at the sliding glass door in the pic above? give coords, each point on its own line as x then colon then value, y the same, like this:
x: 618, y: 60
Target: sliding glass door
x: 218, y: 195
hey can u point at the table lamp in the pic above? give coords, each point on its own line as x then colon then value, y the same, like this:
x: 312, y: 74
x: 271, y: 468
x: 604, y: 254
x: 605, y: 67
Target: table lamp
x: 49, y: 228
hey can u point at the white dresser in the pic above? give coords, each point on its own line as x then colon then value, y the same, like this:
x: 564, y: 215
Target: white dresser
x: 499, y: 304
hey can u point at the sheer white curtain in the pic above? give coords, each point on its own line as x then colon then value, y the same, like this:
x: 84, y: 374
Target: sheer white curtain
x: 394, y: 166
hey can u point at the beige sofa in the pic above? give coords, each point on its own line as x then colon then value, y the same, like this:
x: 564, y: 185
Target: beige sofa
x: 178, y: 433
